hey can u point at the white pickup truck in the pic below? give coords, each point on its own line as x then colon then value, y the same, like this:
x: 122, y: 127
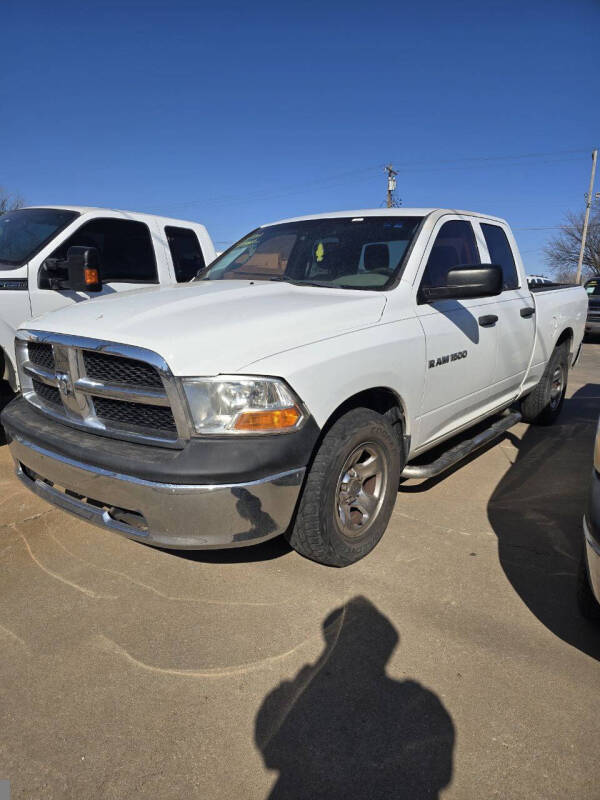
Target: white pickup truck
x: 290, y: 387
x: 131, y: 249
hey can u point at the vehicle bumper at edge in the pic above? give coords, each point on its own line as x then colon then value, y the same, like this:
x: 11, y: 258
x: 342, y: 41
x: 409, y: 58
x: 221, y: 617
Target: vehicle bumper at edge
x: 592, y: 326
x: 591, y: 530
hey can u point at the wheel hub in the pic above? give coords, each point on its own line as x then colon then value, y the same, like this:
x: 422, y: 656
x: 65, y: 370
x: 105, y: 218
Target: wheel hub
x: 360, y: 489
x: 556, y: 387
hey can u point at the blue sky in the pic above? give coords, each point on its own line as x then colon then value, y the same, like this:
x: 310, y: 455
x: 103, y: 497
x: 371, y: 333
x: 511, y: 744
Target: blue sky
x: 236, y: 114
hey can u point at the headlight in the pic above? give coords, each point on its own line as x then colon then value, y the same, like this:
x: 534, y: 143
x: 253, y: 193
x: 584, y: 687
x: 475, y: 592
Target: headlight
x: 228, y: 404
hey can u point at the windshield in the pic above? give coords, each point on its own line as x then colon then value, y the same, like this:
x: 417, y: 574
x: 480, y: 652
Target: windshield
x: 24, y: 232
x: 359, y: 253
x: 593, y: 287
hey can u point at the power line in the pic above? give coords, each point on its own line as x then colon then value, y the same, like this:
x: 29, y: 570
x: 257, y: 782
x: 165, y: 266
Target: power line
x: 498, y: 158
x: 556, y: 227
x: 337, y: 179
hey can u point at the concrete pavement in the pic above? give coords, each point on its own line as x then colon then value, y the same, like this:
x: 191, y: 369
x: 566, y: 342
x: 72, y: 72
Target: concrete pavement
x: 450, y: 662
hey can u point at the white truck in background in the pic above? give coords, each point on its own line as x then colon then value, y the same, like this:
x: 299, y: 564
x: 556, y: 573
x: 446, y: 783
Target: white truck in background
x: 131, y: 250
x: 291, y: 385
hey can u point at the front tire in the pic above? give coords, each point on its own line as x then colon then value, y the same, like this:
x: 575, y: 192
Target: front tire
x: 543, y: 405
x: 350, y: 490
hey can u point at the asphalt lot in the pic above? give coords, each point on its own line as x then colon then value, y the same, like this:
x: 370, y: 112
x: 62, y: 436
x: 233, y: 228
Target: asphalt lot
x: 450, y: 662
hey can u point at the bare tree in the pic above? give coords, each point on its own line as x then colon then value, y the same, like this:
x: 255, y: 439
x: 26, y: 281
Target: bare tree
x: 9, y: 202
x: 562, y: 252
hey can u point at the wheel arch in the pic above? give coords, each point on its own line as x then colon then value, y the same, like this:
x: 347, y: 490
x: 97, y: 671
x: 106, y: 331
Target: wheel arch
x: 383, y: 400
x: 8, y: 371
x: 567, y: 335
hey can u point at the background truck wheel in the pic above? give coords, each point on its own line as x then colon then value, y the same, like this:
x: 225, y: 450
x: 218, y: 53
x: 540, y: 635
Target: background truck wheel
x: 350, y: 490
x: 543, y: 405
x: 586, y: 602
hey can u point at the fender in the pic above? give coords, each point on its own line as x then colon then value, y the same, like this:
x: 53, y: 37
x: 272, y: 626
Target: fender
x: 7, y: 347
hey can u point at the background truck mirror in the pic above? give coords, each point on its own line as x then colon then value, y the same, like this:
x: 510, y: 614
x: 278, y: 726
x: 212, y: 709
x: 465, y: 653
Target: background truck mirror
x: 79, y: 272
x: 83, y: 269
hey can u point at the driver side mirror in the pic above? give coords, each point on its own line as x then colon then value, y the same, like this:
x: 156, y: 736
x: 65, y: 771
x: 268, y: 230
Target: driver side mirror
x: 467, y: 280
x: 80, y: 271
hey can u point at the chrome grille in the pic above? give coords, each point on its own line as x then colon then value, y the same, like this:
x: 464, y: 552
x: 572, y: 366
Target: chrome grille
x: 41, y: 354
x: 128, y: 371
x: 48, y: 393
x: 138, y: 414
x: 116, y: 390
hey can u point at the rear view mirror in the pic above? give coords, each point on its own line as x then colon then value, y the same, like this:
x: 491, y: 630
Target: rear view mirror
x: 80, y: 271
x: 467, y: 280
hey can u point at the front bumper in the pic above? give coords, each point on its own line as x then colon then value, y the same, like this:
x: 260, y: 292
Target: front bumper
x: 210, y: 494
x: 167, y: 515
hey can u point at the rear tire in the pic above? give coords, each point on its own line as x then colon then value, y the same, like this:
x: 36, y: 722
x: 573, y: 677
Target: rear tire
x: 543, y: 405
x: 350, y: 490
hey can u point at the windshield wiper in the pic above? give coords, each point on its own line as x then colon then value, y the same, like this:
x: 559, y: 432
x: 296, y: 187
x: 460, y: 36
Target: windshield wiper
x: 294, y: 282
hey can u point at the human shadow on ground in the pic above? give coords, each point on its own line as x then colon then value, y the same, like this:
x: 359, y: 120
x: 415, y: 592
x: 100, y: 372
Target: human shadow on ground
x: 536, y: 512
x: 342, y: 728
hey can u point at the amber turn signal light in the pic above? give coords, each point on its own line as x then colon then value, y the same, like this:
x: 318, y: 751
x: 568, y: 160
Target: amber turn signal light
x: 91, y: 276
x: 275, y: 420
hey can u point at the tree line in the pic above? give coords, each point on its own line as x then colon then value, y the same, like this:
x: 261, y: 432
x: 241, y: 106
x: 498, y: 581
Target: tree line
x: 9, y: 202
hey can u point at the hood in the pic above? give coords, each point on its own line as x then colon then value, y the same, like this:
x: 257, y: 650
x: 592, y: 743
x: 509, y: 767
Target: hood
x: 212, y: 327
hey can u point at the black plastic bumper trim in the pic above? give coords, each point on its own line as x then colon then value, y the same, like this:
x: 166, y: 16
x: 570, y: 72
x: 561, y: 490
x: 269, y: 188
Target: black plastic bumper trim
x: 202, y: 461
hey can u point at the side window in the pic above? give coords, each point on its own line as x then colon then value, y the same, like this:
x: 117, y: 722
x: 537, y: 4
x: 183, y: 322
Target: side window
x: 185, y: 252
x: 454, y: 246
x: 125, y: 247
x: 501, y: 254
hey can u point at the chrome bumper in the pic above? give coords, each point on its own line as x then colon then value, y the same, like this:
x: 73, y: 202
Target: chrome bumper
x: 592, y: 326
x: 165, y: 515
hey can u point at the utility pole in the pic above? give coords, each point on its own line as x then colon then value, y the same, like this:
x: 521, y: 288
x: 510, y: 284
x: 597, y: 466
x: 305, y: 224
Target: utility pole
x: 589, y: 199
x: 391, y: 201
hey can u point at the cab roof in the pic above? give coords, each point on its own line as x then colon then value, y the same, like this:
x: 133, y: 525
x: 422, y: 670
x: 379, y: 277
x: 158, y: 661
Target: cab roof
x: 387, y: 212
x: 119, y: 211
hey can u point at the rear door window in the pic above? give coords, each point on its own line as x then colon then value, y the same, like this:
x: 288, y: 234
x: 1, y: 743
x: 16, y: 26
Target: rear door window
x: 501, y: 253
x: 186, y: 252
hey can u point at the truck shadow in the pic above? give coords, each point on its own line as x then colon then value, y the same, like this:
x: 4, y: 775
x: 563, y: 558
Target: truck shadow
x: 341, y: 728
x: 536, y: 511
x: 266, y: 551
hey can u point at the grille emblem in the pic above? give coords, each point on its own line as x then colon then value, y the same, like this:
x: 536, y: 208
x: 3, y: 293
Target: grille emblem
x: 65, y: 385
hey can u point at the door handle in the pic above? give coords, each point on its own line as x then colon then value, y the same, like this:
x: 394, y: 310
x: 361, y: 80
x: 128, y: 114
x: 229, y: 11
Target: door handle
x: 527, y: 311
x: 488, y: 321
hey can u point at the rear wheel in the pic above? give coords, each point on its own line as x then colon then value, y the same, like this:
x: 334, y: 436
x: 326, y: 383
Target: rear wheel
x: 543, y: 405
x: 350, y: 490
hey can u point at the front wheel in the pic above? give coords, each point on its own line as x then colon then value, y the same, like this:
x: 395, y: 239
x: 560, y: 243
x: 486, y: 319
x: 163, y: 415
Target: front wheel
x: 350, y: 490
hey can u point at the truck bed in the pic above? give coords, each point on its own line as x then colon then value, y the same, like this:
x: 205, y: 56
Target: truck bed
x: 550, y: 287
